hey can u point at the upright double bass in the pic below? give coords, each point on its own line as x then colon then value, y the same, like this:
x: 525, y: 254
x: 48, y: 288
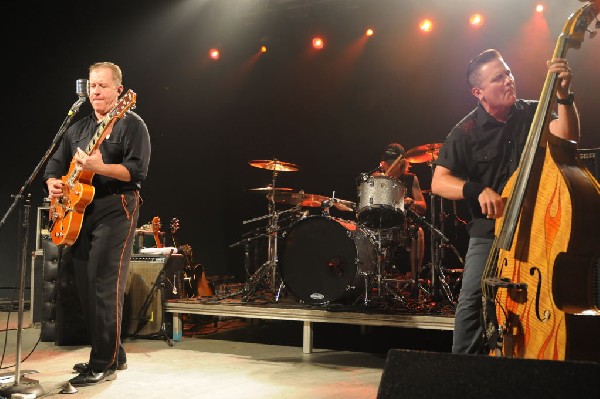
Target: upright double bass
x: 542, y: 277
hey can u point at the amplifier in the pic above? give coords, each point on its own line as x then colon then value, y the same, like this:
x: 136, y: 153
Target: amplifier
x: 590, y: 157
x: 149, y: 278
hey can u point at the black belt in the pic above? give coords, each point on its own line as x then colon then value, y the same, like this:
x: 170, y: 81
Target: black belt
x: 113, y: 190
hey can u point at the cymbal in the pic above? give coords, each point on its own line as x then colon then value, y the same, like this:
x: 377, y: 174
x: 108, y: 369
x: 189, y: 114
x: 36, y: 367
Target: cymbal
x: 270, y: 188
x: 343, y: 205
x: 302, y: 199
x: 423, y: 153
x: 274, y: 164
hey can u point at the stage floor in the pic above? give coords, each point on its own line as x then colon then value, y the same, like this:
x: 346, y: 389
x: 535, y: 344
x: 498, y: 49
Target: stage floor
x: 225, y: 357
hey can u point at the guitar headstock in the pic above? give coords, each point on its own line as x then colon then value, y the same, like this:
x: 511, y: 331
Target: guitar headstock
x: 156, y: 230
x: 156, y: 224
x: 175, y: 225
x: 126, y: 103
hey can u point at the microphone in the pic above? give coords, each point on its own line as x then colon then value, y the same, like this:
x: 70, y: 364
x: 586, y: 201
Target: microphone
x: 82, y: 87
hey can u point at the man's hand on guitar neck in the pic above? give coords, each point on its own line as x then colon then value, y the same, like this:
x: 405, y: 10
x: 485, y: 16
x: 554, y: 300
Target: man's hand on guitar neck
x: 92, y: 162
x: 95, y: 164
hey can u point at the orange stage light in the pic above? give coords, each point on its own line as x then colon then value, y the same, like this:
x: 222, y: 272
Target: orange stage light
x: 426, y: 25
x: 476, y: 20
x: 214, y: 54
x: 539, y: 8
x: 263, y: 49
x: 369, y: 32
x: 318, y: 43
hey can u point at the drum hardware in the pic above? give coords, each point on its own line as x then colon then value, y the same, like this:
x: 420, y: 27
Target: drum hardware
x: 436, y: 271
x: 429, y: 153
x: 275, y: 166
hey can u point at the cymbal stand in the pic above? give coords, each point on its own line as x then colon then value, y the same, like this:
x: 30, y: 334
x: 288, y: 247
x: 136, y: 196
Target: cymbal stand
x: 268, y: 270
x: 438, y: 240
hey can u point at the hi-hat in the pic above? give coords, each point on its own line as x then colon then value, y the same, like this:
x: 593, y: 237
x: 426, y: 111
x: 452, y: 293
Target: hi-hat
x: 423, y: 153
x: 274, y: 164
x: 270, y: 188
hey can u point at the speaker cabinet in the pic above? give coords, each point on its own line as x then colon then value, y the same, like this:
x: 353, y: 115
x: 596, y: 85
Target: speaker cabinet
x: 590, y: 157
x: 415, y: 374
x: 148, y: 280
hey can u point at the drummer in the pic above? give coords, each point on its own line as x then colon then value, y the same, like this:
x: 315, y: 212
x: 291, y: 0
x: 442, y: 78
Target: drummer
x: 393, y: 164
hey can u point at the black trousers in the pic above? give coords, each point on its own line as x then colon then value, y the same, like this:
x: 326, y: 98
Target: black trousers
x: 101, y: 256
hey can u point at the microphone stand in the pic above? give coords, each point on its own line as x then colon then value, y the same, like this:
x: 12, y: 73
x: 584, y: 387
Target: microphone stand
x: 30, y: 385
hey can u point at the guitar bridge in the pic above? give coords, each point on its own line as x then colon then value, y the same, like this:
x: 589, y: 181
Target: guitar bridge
x: 504, y: 282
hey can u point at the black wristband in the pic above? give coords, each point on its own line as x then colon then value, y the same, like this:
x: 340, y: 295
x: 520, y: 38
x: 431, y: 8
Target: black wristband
x: 472, y: 189
x: 567, y: 101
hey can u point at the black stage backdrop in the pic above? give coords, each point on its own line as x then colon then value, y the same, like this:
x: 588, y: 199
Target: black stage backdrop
x: 331, y: 112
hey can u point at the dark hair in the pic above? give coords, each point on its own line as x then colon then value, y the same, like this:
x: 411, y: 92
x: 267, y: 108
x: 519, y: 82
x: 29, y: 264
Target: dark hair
x: 476, y: 63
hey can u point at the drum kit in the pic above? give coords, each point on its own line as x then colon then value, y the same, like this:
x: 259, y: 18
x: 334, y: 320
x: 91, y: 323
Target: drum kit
x: 321, y: 259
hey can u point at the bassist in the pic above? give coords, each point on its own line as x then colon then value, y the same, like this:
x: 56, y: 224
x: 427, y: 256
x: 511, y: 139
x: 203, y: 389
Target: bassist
x: 102, y: 249
x: 478, y: 157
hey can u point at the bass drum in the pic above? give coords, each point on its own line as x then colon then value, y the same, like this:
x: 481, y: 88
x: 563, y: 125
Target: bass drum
x: 326, y: 260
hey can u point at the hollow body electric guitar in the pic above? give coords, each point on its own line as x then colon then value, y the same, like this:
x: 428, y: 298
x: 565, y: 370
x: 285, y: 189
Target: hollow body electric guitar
x: 541, y: 276
x: 66, y: 211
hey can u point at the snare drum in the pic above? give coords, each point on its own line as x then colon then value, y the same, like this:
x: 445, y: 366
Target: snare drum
x: 326, y: 260
x: 380, y: 202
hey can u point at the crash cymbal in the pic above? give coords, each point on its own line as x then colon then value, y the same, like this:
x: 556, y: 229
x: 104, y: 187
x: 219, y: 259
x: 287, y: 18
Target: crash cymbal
x: 270, y: 188
x: 313, y: 200
x: 423, y: 153
x: 274, y: 164
x: 343, y: 205
x: 302, y: 199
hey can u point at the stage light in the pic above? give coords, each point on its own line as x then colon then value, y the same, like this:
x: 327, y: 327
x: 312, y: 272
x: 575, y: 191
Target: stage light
x: 263, y: 49
x: 539, y: 8
x: 369, y: 32
x: 426, y: 25
x: 476, y: 20
x: 214, y: 54
x: 318, y: 43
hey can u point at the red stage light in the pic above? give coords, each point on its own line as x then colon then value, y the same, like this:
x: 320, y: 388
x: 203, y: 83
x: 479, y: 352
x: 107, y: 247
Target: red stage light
x: 426, y: 25
x: 539, y: 8
x: 214, y: 54
x: 369, y: 32
x: 318, y: 43
x: 476, y: 20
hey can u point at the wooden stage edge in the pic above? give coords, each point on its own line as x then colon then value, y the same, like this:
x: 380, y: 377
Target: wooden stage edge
x: 307, y: 316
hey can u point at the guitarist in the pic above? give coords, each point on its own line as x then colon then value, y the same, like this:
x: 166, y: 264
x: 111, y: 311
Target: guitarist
x: 478, y: 157
x: 102, y: 250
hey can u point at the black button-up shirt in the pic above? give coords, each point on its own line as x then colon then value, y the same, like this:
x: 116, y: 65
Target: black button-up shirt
x: 128, y: 144
x: 481, y: 149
